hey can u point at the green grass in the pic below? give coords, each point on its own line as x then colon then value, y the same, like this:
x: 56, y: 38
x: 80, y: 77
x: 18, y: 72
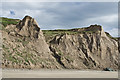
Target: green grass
x: 8, y: 21
x: 19, y: 40
x: 49, y: 34
x: 4, y: 38
x: 31, y: 60
x: 12, y: 59
x: 4, y: 47
x: 60, y: 31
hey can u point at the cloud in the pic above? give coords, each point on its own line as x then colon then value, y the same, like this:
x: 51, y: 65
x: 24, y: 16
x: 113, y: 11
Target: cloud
x: 105, y: 19
x: 60, y: 1
x: 64, y: 15
x: 114, y: 32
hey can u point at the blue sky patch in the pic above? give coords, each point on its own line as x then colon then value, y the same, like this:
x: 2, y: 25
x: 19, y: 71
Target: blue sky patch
x: 12, y: 12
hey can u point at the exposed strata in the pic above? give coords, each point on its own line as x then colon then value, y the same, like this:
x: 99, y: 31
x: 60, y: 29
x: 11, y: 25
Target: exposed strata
x: 24, y: 46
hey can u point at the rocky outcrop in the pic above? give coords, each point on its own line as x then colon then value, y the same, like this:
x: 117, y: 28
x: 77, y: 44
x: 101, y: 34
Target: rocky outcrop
x: 28, y: 27
x: 86, y: 50
x: 24, y: 46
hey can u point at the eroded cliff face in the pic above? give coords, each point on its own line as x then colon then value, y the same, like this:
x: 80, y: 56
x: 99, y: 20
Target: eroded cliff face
x: 86, y: 50
x: 24, y: 46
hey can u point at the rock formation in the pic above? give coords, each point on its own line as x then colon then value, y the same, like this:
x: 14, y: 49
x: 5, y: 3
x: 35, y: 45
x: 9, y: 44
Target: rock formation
x: 93, y: 50
x: 24, y: 46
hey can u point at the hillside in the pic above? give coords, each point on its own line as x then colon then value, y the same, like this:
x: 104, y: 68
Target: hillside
x: 26, y: 46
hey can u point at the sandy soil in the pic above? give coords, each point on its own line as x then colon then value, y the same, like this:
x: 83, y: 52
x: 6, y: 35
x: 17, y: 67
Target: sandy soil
x: 8, y: 73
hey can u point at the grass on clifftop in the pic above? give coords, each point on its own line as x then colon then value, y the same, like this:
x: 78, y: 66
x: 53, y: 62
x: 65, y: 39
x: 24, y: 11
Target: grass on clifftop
x: 49, y: 34
x: 67, y: 31
x: 7, y: 21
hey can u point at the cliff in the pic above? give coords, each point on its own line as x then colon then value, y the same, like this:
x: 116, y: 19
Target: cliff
x: 86, y: 50
x: 25, y: 45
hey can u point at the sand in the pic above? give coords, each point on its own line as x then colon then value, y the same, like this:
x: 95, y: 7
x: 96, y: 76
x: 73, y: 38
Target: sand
x: 9, y: 73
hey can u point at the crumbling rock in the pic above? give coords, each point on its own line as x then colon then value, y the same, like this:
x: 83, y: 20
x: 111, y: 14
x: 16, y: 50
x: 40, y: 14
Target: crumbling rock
x: 24, y: 46
x: 92, y: 51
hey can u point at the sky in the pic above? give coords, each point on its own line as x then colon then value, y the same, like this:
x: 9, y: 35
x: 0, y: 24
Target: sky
x: 66, y: 15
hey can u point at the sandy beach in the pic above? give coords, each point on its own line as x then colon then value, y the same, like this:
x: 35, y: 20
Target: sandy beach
x: 9, y: 73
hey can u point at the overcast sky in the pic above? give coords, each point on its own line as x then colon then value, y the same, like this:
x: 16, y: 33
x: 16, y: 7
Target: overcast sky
x: 66, y: 15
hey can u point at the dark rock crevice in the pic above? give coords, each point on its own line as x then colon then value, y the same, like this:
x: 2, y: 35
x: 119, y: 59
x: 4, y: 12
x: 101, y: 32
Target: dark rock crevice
x: 56, y: 56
